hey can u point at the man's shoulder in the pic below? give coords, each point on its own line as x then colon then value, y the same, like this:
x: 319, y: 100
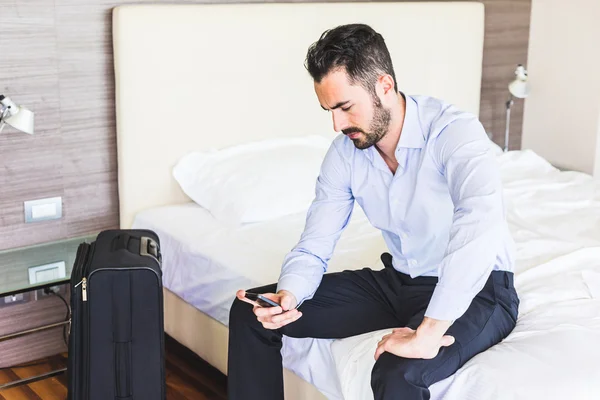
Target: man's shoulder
x: 440, y: 112
x: 436, y: 115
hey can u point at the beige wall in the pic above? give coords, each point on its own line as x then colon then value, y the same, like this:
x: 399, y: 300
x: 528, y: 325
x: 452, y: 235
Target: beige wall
x: 562, y: 113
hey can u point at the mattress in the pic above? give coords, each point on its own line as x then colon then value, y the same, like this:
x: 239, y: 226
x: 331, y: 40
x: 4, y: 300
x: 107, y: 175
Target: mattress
x: 555, y: 219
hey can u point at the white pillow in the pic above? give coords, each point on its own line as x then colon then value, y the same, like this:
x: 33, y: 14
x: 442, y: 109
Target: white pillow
x: 254, y: 182
x: 496, y: 148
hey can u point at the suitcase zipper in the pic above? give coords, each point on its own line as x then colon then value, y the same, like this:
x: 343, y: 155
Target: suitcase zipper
x: 80, y: 337
x: 81, y: 270
x: 83, y: 283
x: 84, y: 289
x: 86, y: 318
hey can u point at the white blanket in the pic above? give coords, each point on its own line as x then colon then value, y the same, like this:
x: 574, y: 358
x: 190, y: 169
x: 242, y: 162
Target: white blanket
x: 553, y: 352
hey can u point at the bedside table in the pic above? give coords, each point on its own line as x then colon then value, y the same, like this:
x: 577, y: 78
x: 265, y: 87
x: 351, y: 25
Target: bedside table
x: 37, y: 267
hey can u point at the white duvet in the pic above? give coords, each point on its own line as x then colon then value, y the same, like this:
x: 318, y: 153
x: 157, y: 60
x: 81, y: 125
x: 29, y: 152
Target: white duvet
x: 554, y: 351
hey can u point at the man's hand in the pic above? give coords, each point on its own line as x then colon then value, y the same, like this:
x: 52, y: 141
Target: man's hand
x: 274, y: 317
x: 424, y: 343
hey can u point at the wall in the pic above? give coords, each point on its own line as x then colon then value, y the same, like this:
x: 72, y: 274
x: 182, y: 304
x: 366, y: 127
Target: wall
x: 56, y: 59
x: 562, y: 119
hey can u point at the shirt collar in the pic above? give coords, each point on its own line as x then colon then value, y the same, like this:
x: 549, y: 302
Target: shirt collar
x: 411, y: 135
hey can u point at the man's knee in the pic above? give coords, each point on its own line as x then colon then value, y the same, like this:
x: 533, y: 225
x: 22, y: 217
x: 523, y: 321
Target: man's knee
x: 392, y: 375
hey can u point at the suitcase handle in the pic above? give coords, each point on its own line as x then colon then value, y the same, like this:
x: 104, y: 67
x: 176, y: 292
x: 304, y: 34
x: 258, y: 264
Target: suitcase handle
x: 148, y: 247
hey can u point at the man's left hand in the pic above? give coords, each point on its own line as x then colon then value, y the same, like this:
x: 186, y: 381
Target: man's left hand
x: 404, y: 342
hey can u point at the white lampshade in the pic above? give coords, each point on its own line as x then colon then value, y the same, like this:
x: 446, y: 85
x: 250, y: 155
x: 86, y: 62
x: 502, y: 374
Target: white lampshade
x: 16, y: 116
x: 520, y: 87
x: 22, y: 120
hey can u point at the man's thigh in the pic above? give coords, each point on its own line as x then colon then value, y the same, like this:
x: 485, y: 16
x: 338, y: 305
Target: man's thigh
x: 345, y: 304
x: 489, y: 319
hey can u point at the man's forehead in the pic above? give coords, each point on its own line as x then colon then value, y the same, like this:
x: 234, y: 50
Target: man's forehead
x: 337, y: 79
x: 338, y: 88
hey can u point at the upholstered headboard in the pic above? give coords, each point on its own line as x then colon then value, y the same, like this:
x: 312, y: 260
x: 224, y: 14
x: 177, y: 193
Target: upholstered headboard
x: 193, y: 77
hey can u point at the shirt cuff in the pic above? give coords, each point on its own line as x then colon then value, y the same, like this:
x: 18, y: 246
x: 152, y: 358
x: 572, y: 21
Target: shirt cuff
x: 296, y: 286
x: 447, y: 304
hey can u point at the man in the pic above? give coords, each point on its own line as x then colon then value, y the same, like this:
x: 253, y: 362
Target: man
x: 424, y: 173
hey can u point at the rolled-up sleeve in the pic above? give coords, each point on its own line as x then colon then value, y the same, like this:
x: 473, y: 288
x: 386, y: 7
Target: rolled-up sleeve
x: 304, y: 266
x: 464, y: 156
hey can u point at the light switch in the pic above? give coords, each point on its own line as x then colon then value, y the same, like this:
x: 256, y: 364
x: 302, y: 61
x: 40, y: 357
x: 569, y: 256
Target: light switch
x: 43, y: 209
x: 46, y: 275
x: 47, y: 272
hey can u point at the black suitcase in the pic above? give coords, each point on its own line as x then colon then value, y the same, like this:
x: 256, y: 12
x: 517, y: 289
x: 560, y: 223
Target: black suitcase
x: 116, y: 340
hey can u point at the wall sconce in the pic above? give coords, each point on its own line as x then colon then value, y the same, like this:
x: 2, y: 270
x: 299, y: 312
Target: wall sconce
x: 518, y: 88
x: 16, y: 116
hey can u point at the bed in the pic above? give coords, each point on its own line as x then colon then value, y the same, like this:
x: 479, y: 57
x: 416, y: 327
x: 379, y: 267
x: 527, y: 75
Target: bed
x: 176, y: 68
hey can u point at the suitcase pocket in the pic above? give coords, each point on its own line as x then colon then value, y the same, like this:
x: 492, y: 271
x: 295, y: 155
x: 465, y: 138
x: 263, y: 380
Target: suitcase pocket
x: 122, y: 334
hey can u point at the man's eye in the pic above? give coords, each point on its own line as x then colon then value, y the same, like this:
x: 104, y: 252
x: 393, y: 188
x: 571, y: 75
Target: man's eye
x: 346, y: 108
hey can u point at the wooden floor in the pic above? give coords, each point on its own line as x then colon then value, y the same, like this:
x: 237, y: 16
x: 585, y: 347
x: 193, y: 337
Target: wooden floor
x: 188, y: 378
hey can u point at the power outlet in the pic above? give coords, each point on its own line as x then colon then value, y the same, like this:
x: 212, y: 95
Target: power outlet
x: 41, y: 293
x: 14, y: 299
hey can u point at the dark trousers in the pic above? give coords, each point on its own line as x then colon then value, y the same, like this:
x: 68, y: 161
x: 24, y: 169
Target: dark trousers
x: 350, y: 303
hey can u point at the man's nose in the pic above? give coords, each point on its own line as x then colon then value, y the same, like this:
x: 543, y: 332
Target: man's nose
x: 340, y: 121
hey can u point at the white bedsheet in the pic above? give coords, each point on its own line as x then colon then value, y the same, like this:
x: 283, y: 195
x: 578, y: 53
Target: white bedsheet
x: 205, y: 262
x: 555, y: 219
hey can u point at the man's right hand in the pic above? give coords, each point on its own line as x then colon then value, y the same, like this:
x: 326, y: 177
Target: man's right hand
x: 274, y: 317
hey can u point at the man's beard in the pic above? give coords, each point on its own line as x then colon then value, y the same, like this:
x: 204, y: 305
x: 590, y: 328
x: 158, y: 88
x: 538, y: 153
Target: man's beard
x: 377, y: 129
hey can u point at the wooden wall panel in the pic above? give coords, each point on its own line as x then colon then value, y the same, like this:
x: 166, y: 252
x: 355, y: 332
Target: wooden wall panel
x: 56, y: 58
x: 88, y: 116
x: 506, y: 43
x: 31, y: 165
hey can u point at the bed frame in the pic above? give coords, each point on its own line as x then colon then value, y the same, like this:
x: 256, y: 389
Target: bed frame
x: 195, y: 77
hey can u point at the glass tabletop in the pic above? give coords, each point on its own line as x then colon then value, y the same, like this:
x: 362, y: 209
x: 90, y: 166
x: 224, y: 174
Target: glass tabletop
x: 28, y: 268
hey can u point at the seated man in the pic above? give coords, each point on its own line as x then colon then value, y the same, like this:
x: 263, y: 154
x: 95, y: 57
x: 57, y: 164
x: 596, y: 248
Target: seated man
x: 425, y: 175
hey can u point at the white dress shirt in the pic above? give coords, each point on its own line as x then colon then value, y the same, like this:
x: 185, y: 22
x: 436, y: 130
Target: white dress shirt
x: 441, y: 214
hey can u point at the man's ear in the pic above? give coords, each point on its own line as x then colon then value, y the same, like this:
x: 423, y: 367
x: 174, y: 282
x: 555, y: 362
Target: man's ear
x: 385, y: 83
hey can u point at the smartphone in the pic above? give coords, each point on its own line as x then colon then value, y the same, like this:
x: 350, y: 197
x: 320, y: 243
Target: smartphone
x: 261, y: 300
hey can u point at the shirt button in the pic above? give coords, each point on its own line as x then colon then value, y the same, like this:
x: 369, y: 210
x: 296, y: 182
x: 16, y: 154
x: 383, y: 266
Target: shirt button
x: 403, y: 235
x: 412, y: 263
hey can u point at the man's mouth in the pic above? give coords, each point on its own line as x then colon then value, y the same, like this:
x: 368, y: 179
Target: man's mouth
x: 353, y: 134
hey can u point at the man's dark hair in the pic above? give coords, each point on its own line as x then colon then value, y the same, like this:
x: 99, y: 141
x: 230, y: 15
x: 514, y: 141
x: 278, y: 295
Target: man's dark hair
x: 358, y: 49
